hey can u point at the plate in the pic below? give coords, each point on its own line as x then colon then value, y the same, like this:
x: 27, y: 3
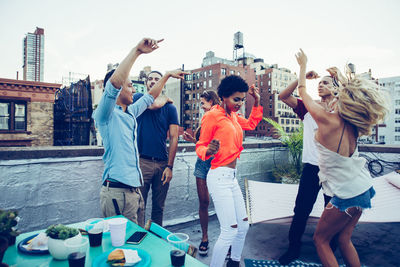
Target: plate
x: 101, y: 260
x: 31, y: 252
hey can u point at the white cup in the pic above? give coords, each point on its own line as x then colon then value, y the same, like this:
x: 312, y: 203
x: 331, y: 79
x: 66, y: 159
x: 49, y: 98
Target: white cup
x: 76, y: 245
x: 117, y: 228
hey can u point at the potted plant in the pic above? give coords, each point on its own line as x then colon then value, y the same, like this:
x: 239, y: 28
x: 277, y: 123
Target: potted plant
x: 8, y: 223
x: 289, y: 172
x: 57, y: 234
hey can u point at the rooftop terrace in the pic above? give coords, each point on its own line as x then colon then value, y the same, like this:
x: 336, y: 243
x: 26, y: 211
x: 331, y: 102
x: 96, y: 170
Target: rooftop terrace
x: 46, y: 184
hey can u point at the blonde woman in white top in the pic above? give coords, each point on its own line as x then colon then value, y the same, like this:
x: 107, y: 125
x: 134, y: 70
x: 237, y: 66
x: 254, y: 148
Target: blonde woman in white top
x: 359, y: 106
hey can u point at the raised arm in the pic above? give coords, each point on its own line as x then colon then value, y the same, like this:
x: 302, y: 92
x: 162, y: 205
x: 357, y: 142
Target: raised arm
x: 145, y: 46
x: 157, y: 88
x: 119, y: 77
x: 320, y: 115
x: 256, y: 113
x: 160, y: 101
x: 286, y: 95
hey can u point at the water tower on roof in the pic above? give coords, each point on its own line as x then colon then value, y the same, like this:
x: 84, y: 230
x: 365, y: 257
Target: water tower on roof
x: 237, y: 45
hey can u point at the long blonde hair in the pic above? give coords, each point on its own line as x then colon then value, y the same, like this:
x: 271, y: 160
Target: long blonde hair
x: 360, y: 102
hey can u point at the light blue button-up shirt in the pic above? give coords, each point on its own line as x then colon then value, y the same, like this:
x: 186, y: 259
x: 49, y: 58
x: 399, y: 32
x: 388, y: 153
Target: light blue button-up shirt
x: 118, y: 131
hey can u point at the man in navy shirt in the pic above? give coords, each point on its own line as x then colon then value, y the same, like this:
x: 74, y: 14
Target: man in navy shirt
x: 156, y: 162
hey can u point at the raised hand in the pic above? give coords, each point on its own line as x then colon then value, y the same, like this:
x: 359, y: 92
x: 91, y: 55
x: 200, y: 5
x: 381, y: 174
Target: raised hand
x: 212, y: 147
x: 301, y: 58
x: 312, y: 75
x: 179, y: 74
x: 255, y: 93
x: 148, y: 45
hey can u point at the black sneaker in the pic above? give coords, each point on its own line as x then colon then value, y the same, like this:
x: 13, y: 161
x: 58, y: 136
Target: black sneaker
x: 290, y: 255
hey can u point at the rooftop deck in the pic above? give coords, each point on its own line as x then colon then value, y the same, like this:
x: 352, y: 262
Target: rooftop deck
x: 47, y: 184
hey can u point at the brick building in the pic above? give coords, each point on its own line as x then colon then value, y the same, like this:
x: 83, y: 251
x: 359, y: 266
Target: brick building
x: 26, y: 112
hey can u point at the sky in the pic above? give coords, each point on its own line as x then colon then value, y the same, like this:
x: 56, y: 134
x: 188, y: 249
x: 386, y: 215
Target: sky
x: 84, y: 36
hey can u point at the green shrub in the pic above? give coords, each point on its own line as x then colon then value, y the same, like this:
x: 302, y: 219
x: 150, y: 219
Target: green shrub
x: 294, y: 142
x: 60, y: 231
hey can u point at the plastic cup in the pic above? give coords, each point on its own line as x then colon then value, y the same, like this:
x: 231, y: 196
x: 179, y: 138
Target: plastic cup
x: 76, y: 259
x: 177, y: 257
x: 77, y: 249
x: 95, y: 237
x: 118, y: 231
x: 179, y: 240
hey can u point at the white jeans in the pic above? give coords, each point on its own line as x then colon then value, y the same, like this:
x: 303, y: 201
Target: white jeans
x: 231, y: 212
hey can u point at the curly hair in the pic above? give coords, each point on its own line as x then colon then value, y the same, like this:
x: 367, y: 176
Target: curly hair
x: 361, y: 103
x: 211, y: 96
x: 230, y: 85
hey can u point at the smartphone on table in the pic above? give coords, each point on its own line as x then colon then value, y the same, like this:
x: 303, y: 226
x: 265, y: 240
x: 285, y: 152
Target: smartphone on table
x: 136, y: 237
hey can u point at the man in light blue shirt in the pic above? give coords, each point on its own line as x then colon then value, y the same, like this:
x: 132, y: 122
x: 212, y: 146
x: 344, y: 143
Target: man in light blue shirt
x: 115, y: 118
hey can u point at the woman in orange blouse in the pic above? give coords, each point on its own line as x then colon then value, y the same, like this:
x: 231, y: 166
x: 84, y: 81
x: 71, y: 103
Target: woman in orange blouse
x: 221, y: 136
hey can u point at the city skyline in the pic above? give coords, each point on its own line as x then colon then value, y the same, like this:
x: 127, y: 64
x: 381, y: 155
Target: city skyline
x: 83, y: 37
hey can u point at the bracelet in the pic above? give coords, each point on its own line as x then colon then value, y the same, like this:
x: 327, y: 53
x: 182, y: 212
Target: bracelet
x: 170, y: 167
x: 301, y: 86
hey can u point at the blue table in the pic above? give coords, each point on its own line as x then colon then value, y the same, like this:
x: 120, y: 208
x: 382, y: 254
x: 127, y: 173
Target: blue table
x: 157, y: 248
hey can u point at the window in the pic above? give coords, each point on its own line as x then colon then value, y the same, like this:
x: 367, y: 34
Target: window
x: 397, y: 138
x: 12, y: 115
x: 209, y: 83
x: 397, y: 111
x: 205, y: 84
x: 397, y: 120
x: 205, y: 74
x: 261, y: 83
x: 397, y: 129
x: 238, y: 73
x: 223, y: 71
x: 282, y: 121
x: 209, y: 73
x: 269, y: 82
x: 232, y: 72
x: 397, y: 102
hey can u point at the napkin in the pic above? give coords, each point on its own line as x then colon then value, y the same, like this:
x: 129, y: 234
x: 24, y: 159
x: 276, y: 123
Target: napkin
x: 37, y: 243
x: 131, y: 257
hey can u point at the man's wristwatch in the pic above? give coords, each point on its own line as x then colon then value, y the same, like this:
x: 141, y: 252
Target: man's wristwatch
x: 170, y: 167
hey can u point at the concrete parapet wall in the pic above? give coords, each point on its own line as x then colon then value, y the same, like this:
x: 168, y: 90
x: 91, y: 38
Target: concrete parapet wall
x: 65, y: 188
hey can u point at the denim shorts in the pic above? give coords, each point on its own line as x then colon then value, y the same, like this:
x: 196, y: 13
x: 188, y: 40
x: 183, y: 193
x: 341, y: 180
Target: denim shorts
x: 201, y: 168
x: 362, y: 201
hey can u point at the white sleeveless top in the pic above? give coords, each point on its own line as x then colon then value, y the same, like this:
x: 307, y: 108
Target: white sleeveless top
x: 344, y: 177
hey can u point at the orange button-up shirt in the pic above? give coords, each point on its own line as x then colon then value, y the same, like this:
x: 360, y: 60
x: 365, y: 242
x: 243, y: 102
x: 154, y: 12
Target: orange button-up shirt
x: 228, y: 129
